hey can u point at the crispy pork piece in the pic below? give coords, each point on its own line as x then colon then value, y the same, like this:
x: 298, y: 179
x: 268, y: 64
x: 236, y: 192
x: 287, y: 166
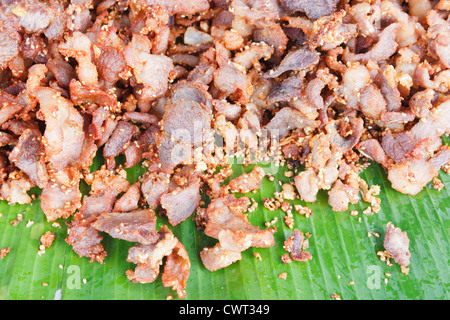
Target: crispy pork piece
x: 295, y: 60
x: 64, y: 135
x: 215, y: 258
x: 226, y: 222
x: 15, y: 191
x: 129, y: 200
x: 396, y: 242
x: 313, y: 10
x: 78, y: 46
x: 149, y: 258
x: 296, y: 245
x: 27, y: 155
x: 84, y: 239
x: 153, y: 187
x: 178, y: 87
x: 182, y: 202
x: 409, y: 177
x: 247, y: 182
x: 288, y: 119
x: 176, y: 270
x: 134, y: 226
x: 181, y: 136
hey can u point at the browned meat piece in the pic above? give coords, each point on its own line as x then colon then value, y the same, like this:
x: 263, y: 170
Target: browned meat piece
x: 329, y: 32
x: 119, y: 139
x: 5, y: 139
x: 134, y: 226
x: 9, y: 106
x: 15, y: 191
x: 192, y: 91
x: 183, y: 135
x: 64, y: 135
x: 130, y: 199
x: 389, y: 88
x: 247, y: 182
x: 439, y: 32
x: 150, y: 70
x: 410, y: 177
x: 296, y: 245
x: 372, y: 102
x: 441, y: 158
x: 225, y: 222
x: 341, y: 195
x: 153, y: 187
x: 217, y: 257
x: 105, y: 187
x: 433, y: 126
x: 275, y: 37
x: 288, y: 119
x: 62, y: 71
x: 149, y: 258
x: 84, y: 239
x: 307, y: 185
x: 110, y: 63
x: 88, y: 95
x: 9, y: 43
x: 287, y: 89
x: 60, y: 201
x: 140, y: 148
x: 27, y: 155
x: 313, y: 9
x: 397, y: 146
x: 230, y: 79
x: 396, y: 243
x: 382, y: 50
x: 250, y: 57
x: 352, y: 135
x: 141, y: 117
x: 85, y: 242
x: 176, y: 270
x: 47, y: 239
x: 78, y: 46
x: 421, y: 103
x: 181, y: 202
x: 295, y: 60
x: 372, y: 148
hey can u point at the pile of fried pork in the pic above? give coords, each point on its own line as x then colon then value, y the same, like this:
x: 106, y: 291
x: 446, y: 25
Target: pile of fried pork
x: 181, y: 86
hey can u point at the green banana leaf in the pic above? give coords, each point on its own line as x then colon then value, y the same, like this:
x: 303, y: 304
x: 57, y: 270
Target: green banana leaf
x: 345, y: 260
